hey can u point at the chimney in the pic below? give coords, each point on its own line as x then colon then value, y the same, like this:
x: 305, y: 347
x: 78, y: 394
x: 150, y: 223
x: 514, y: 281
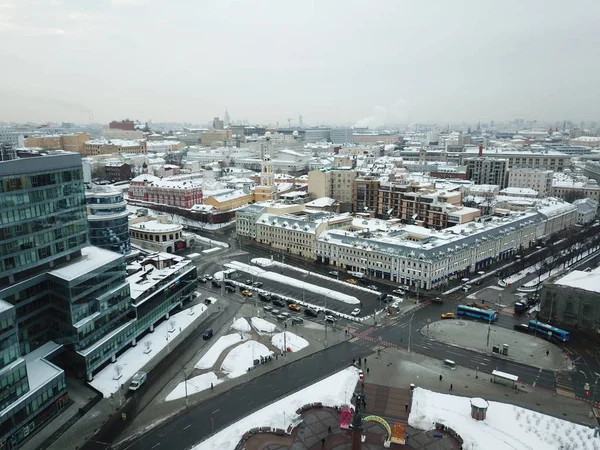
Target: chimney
x: 480, y: 150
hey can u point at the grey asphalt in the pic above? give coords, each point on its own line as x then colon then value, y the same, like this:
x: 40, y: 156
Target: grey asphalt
x: 199, y: 422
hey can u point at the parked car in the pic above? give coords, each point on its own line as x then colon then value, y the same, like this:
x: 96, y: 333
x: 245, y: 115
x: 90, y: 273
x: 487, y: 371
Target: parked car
x: 229, y: 283
x: 293, y: 307
x: 216, y: 283
x: 248, y: 282
x: 202, y: 280
x: 437, y: 300
x: 207, y: 334
x: 310, y: 312
x: 268, y: 308
x: 387, y: 299
x: 448, y: 315
x: 257, y: 284
x: 355, y: 312
x: 351, y: 281
x: 264, y: 297
x: 372, y: 287
x: 275, y: 312
x: 246, y: 293
x: 229, y: 288
x: 279, y: 302
x: 398, y: 291
x: 282, y: 318
x: 297, y: 320
x: 334, y: 273
x: 329, y: 318
x: 208, y: 277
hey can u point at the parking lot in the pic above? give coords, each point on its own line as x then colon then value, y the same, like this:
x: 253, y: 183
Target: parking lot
x: 369, y: 299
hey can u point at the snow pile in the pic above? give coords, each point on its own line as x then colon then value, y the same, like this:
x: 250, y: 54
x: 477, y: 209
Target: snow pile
x: 241, y: 358
x: 299, y: 284
x: 132, y: 360
x: 212, y: 355
x: 262, y: 325
x: 291, y: 341
x: 506, y: 426
x: 241, y: 324
x: 335, y: 390
x: 194, y: 385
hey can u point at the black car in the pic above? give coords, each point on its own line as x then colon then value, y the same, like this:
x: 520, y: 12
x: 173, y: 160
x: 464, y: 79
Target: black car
x: 229, y: 288
x: 229, y: 283
x: 310, y: 312
x: 279, y: 302
x: 202, y: 280
x: 264, y: 297
x: 207, y: 334
x: 216, y: 283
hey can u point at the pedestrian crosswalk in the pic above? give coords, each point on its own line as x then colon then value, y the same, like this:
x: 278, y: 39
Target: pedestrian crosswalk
x: 507, y: 311
x: 564, y: 385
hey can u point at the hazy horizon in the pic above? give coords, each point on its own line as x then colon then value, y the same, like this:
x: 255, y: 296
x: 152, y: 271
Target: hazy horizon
x: 334, y: 62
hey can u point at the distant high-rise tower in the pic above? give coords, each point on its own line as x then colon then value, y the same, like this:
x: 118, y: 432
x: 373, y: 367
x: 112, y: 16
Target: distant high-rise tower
x: 300, y: 121
x: 217, y: 123
x: 226, y: 118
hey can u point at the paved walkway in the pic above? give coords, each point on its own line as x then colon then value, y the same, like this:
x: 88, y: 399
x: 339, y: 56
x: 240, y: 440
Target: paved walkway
x: 522, y: 347
x: 310, y: 433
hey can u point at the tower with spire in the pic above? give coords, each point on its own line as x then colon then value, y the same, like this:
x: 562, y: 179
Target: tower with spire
x: 226, y: 118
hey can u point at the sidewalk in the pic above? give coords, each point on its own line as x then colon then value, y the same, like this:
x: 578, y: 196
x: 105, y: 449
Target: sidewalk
x: 398, y: 368
x: 523, y: 348
x: 160, y: 410
x: 84, y: 428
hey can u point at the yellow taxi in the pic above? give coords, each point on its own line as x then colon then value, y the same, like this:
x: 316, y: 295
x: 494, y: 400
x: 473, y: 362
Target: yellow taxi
x: 351, y: 281
x: 448, y: 315
x: 246, y: 293
x: 294, y: 307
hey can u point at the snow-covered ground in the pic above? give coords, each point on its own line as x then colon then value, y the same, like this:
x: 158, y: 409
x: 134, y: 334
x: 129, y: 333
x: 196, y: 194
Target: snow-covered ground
x: 242, y: 325
x: 241, y: 358
x: 506, y: 427
x: 212, y: 355
x: 291, y: 341
x: 299, y: 284
x: 262, y: 325
x: 194, y: 385
x: 134, y: 359
x: 335, y: 390
x: 266, y: 262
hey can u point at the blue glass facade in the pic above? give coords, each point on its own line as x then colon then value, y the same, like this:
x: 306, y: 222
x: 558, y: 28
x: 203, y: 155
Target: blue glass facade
x: 108, y: 219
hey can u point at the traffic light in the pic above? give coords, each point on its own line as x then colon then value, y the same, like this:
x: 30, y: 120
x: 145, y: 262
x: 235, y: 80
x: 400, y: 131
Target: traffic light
x: 586, y: 387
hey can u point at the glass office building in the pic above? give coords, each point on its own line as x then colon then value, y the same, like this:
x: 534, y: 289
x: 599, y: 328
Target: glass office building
x: 108, y: 219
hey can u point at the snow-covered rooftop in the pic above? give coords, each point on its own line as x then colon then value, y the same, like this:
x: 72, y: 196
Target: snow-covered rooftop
x: 321, y: 202
x: 587, y: 281
x: 92, y: 258
x: 155, y: 225
x: 4, y: 306
x: 146, y: 279
x: 117, y: 142
x: 39, y: 372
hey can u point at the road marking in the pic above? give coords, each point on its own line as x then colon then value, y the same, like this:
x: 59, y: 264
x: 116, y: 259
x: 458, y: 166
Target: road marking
x: 216, y: 411
x: 269, y: 385
x: 250, y: 402
x: 185, y: 428
x: 155, y: 445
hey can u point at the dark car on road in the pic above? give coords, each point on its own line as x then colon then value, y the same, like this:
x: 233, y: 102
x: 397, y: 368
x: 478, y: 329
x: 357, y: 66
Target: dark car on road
x: 297, y: 320
x: 264, y: 297
x: 229, y: 288
x: 278, y: 302
x: 207, y: 334
x: 310, y: 312
x: 202, y: 280
x: 216, y: 283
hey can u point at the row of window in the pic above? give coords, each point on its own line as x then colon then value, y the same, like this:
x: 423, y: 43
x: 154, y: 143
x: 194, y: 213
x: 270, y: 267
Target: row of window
x: 33, y: 181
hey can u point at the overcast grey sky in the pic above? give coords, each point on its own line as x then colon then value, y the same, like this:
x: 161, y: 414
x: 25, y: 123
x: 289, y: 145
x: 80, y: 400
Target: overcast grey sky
x: 332, y: 61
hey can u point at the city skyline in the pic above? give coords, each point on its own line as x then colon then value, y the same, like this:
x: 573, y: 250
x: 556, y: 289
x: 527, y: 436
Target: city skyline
x: 346, y: 63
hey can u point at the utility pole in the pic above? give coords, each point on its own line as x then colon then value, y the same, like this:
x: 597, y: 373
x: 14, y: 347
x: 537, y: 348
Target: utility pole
x: 410, y: 331
x: 186, y: 392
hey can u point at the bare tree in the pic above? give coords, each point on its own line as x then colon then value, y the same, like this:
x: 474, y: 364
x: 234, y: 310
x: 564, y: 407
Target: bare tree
x: 118, y: 370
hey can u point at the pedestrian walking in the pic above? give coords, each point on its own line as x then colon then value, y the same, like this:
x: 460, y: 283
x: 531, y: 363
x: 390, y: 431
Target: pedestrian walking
x: 323, y: 442
x: 367, y: 371
x: 329, y: 429
x: 365, y: 362
x: 406, y: 407
x: 547, y: 352
x: 211, y: 385
x: 450, y: 386
x: 441, y: 377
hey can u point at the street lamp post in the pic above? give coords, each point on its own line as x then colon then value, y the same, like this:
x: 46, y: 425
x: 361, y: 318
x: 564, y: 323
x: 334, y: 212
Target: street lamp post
x: 186, y: 391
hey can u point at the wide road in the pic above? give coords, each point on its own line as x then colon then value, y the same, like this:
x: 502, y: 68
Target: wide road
x: 210, y: 416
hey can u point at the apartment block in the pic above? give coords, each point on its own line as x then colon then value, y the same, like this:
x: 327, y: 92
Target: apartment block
x: 334, y: 183
x: 536, y: 179
x: 483, y: 170
x: 111, y: 147
x: 365, y: 194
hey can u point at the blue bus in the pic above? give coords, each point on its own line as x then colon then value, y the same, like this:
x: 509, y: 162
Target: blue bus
x: 549, y: 330
x: 485, y: 314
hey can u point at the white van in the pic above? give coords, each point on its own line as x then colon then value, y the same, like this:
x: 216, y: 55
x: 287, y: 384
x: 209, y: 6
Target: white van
x: 137, y: 381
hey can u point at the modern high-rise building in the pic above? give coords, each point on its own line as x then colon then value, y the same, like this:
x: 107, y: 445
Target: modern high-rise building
x: 60, y: 297
x: 108, y: 219
x: 483, y: 170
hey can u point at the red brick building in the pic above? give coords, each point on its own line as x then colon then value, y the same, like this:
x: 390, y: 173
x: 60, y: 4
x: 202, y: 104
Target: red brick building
x: 151, y: 189
x: 127, y: 124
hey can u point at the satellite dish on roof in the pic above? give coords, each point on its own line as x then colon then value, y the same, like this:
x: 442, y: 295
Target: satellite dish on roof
x: 390, y: 211
x: 414, y: 216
